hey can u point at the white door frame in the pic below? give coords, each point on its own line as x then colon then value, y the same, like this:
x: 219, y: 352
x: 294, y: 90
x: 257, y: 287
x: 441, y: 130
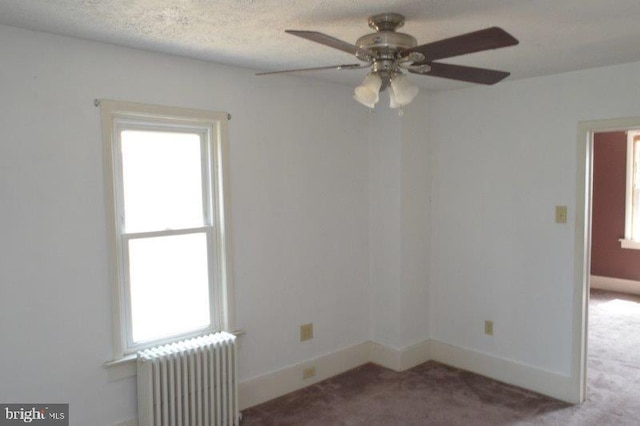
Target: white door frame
x: 582, y: 263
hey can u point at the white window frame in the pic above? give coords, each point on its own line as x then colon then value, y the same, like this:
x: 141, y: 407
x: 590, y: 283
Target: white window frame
x: 213, y: 126
x: 633, y: 137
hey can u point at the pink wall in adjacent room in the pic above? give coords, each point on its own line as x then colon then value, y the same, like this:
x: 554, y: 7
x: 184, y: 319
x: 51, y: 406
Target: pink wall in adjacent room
x: 608, y: 259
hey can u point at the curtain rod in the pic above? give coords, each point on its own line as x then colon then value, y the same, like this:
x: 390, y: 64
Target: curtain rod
x: 96, y: 103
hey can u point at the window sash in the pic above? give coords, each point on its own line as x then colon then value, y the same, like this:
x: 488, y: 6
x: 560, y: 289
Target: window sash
x: 206, y: 155
x: 214, y: 322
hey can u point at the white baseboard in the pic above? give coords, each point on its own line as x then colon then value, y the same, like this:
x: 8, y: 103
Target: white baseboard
x: 130, y: 422
x: 615, y: 284
x: 400, y: 359
x: 263, y: 388
x: 541, y: 381
x: 385, y: 356
x: 416, y: 354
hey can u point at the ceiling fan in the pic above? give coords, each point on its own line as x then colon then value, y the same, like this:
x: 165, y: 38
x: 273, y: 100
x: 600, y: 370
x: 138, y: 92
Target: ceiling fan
x: 389, y: 54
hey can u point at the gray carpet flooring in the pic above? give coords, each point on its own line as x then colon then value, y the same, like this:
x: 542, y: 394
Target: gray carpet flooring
x: 436, y: 394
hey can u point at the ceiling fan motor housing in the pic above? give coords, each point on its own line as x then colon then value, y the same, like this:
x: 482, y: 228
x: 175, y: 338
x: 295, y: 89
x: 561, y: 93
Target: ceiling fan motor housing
x: 385, y: 42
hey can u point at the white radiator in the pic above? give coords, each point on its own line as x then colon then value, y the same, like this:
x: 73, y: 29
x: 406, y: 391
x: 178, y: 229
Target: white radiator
x: 189, y: 383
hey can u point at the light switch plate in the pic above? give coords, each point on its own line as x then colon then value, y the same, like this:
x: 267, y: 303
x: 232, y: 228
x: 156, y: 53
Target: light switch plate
x: 488, y: 327
x: 306, y: 332
x: 561, y: 214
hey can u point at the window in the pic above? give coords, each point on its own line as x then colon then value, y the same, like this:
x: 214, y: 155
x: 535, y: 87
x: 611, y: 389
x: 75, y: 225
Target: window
x: 632, y: 206
x: 167, y: 199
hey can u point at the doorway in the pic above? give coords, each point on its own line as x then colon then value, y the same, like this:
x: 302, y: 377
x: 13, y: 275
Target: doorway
x: 582, y: 267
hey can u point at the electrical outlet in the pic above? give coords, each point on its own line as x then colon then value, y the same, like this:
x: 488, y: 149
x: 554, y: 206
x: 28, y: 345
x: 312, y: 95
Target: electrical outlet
x: 308, y: 373
x: 488, y: 327
x: 306, y: 332
x: 561, y: 214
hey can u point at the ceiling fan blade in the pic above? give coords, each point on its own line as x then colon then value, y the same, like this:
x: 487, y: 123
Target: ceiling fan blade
x: 464, y: 73
x: 477, y: 41
x: 327, y: 40
x: 330, y: 67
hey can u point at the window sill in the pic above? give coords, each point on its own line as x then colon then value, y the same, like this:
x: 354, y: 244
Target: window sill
x: 629, y: 244
x: 122, y: 368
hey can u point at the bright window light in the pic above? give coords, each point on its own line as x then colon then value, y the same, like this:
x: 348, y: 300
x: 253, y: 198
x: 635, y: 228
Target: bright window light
x: 162, y: 180
x: 169, y: 285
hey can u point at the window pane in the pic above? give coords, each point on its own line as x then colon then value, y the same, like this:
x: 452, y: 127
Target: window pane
x: 162, y: 179
x: 168, y: 285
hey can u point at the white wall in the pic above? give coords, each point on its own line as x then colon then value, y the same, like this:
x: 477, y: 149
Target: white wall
x: 399, y: 200
x: 385, y: 165
x: 502, y: 158
x: 416, y: 218
x: 299, y: 185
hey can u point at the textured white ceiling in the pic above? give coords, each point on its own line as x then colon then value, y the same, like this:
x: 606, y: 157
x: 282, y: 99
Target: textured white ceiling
x: 555, y: 35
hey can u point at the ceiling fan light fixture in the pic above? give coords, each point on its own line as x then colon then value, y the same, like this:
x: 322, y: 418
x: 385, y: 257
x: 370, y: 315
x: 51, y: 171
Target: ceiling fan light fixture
x: 368, y: 93
x: 389, y: 53
x: 401, y: 91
